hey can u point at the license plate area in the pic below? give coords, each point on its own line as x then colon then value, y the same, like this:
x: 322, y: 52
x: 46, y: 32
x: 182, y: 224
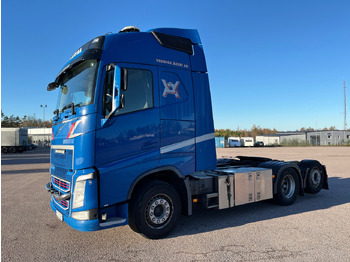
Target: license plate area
x: 59, y: 215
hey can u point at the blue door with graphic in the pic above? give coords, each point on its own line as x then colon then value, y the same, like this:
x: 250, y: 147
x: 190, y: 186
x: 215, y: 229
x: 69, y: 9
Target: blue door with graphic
x: 177, y: 121
x: 129, y: 141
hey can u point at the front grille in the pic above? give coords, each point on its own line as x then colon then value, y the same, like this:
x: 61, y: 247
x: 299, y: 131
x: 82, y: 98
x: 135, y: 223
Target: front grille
x: 60, y: 184
x: 59, y: 172
x: 62, y: 158
x: 62, y: 203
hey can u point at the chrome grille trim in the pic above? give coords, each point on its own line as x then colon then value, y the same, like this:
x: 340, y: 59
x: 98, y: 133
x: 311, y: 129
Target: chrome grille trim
x: 60, y: 184
x: 64, y: 204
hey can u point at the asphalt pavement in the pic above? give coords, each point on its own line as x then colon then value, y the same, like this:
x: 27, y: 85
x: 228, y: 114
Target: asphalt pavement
x: 315, y: 228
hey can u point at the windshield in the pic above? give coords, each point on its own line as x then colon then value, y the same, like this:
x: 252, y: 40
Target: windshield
x: 78, y: 85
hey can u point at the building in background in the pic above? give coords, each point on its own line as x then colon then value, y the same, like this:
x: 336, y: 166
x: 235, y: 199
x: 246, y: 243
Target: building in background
x: 313, y: 138
x: 40, y: 136
x: 269, y: 140
x: 329, y: 137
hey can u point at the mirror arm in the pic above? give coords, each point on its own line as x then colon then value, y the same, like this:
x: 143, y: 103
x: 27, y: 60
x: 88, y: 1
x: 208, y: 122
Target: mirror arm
x: 109, y: 115
x: 117, y: 86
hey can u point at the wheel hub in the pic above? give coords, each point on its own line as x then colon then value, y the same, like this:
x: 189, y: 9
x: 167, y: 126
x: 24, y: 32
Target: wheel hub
x: 158, y: 210
x: 288, y: 186
x: 315, y: 177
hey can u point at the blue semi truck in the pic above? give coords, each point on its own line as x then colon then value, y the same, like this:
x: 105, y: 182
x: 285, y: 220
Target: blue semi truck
x: 133, y: 139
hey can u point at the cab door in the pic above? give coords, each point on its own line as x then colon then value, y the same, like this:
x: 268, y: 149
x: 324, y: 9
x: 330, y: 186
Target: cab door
x: 128, y: 141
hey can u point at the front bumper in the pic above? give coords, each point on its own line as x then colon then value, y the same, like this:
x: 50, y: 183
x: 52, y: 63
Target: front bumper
x: 81, y: 225
x: 78, y: 205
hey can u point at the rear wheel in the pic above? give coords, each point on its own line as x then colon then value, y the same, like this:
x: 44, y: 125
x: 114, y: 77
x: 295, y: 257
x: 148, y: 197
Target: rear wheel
x: 12, y: 150
x: 287, y: 187
x: 4, y: 150
x: 315, y: 178
x: 154, y: 210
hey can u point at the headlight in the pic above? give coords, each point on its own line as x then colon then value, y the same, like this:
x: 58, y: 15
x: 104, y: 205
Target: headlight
x: 79, y: 193
x: 79, y: 190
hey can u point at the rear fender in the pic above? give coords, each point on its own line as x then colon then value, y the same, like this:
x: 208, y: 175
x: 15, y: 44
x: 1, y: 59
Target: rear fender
x: 278, y: 167
x: 304, y: 166
x: 325, y: 183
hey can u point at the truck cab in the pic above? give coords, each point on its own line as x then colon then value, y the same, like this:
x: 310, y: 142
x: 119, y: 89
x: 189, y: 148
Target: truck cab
x: 131, y: 106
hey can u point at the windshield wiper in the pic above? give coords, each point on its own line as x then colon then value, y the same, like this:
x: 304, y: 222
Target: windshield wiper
x: 70, y: 105
x: 56, y: 112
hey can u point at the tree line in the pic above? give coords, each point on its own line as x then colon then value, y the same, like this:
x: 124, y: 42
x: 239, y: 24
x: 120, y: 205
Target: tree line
x: 253, y: 132
x: 25, y: 121
x: 258, y: 131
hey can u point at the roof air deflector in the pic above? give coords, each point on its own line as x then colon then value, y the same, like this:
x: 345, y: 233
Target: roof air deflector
x: 174, y: 42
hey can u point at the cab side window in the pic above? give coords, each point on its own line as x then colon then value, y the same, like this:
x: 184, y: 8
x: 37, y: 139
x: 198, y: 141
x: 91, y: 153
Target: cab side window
x: 139, y: 91
x: 108, y: 92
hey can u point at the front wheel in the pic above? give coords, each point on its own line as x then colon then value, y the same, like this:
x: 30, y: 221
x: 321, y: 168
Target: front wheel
x: 154, y: 210
x: 287, y: 187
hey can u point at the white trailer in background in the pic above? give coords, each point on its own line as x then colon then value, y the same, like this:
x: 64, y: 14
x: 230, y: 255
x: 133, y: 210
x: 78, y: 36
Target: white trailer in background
x: 269, y: 140
x: 247, y: 141
x: 13, y: 140
x: 234, y: 142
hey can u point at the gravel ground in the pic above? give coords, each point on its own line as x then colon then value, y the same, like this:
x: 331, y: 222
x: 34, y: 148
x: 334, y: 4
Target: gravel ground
x: 315, y: 228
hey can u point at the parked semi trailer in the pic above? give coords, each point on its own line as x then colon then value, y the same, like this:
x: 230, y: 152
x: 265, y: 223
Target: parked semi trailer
x: 133, y: 139
x: 14, y: 140
x: 234, y: 142
x: 247, y: 141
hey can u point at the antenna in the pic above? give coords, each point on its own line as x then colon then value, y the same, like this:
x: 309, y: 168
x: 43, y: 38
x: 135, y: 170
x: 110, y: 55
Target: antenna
x: 345, y: 125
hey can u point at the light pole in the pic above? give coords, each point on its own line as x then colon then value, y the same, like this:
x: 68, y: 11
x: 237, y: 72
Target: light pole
x: 316, y: 133
x: 43, y: 107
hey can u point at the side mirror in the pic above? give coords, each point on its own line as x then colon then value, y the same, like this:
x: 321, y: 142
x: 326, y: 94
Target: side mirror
x: 116, y: 88
x: 52, y: 86
x: 114, y: 82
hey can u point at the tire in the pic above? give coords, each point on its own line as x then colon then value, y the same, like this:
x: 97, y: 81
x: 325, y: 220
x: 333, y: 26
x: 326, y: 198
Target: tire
x: 314, y: 178
x: 4, y: 150
x: 12, y: 150
x: 287, y: 187
x: 154, y: 210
